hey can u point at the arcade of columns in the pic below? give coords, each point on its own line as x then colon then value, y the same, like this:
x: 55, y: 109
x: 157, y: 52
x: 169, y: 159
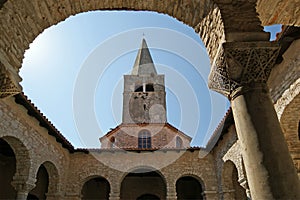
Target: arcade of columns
x: 241, y: 60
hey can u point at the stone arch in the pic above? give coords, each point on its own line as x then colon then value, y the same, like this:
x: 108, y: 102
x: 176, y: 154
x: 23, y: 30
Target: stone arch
x: 198, y: 177
x: 41, y: 185
x: 231, y: 187
x: 90, y: 176
x: 21, y: 22
x: 90, y: 188
x: 189, y: 187
x: 144, y: 168
x: 290, y: 121
x: 31, y: 18
x: 53, y: 177
x: 24, y: 172
x: 7, y: 170
x: 152, y: 182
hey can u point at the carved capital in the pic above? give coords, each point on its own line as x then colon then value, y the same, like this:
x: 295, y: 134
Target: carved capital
x: 23, y: 185
x: 8, y: 87
x: 242, y: 65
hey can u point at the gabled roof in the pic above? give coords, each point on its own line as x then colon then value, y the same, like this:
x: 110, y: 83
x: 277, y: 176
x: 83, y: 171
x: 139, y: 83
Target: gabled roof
x: 143, y: 64
x: 112, y: 131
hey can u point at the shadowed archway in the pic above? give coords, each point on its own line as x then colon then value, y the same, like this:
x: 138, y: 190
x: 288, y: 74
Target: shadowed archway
x: 188, y: 187
x: 96, y: 188
x: 7, y: 170
x: 230, y: 182
x: 143, y: 184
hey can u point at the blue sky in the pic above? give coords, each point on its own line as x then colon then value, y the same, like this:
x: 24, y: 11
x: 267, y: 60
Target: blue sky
x: 73, y: 72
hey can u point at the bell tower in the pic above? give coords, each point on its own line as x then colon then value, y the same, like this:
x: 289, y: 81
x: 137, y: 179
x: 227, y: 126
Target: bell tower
x: 144, y: 97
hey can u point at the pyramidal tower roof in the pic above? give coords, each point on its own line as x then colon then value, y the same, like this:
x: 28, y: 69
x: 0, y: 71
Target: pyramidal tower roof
x: 143, y: 64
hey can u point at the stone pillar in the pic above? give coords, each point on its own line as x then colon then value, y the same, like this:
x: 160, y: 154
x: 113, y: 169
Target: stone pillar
x: 210, y: 195
x: 228, y: 194
x: 240, y: 72
x: 23, y: 187
x: 114, y: 196
x: 171, y: 192
x: 115, y: 191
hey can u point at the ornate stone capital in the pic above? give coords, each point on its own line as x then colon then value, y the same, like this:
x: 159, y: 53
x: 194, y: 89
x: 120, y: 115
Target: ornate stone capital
x: 23, y: 185
x: 8, y: 86
x: 242, y: 65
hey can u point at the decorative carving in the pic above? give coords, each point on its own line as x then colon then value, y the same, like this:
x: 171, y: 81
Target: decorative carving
x: 22, y: 184
x: 7, y: 86
x: 242, y: 64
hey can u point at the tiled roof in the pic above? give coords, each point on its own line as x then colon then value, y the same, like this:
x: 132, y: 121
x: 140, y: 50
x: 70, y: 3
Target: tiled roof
x: 221, y: 130
x: 32, y: 110
x: 112, y: 131
x: 134, y: 149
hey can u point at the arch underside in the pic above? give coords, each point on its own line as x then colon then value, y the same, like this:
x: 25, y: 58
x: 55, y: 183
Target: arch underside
x: 22, y: 21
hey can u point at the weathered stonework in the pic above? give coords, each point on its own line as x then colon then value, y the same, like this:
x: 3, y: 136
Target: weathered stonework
x: 279, y: 12
x: 21, y: 22
x: 32, y: 146
x: 221, y: 171
x: 285, y: 74
x: 241, y: 64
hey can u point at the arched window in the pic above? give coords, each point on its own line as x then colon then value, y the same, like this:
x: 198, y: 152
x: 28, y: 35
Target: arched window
x: 144, y: 139
x: 178, y: 142
x: 112, y: 142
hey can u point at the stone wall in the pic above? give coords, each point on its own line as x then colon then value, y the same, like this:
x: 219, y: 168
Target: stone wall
x: 279, y: 12
x: 32, y: 146
x: 286, y: 73
x: 115, y: 165
x: 22, y: 21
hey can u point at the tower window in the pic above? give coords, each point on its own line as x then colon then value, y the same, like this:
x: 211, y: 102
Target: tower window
x: 178, y: 142
x: 144, y: 139
x: 139, y: 89
x: 149, y: 88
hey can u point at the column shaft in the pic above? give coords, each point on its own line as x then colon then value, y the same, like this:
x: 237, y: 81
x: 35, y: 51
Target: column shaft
x: 270, y: 170
x: 22, y: 195
x: 240, y: 72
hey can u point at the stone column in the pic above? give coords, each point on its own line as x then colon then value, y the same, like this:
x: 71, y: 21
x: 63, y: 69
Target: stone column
x: 23, y: 187
x: 240, y: 72
x: 114, y: 196
x: 171, y: 192
x: 115, y: 191
x: 210, y: 195
x: 228, y: 194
